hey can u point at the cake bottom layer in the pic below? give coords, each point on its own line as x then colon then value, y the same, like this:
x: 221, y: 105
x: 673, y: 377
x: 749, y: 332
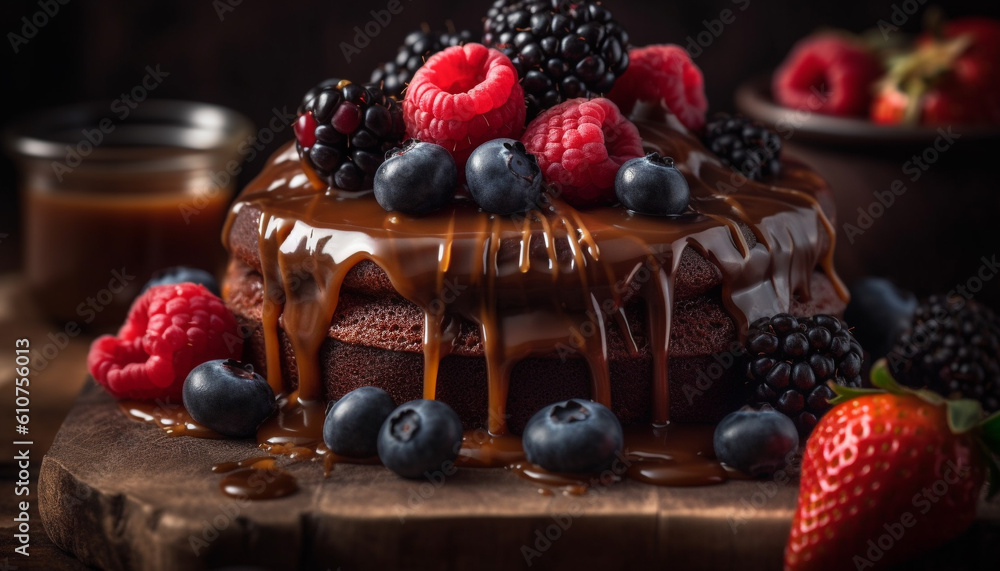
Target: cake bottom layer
x: 706, y: 376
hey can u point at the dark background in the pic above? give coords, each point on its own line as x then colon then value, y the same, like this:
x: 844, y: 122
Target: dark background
x: 255, y: 56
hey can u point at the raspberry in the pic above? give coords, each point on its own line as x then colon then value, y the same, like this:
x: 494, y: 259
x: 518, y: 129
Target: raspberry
x: 664, y: 74
x: 580, y: 144
x: 463, y: 97
x: 828, y: 74
x: 169, y: 331
x: 417, y: 47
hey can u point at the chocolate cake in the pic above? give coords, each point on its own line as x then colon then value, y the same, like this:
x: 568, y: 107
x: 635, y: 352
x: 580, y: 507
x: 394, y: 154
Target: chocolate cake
x: 500, y: 315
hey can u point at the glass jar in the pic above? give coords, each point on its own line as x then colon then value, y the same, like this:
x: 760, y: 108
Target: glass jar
x: 108, y: 200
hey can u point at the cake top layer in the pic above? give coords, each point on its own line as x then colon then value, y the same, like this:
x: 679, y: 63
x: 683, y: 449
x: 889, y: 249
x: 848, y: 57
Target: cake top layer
x: 543, y: 282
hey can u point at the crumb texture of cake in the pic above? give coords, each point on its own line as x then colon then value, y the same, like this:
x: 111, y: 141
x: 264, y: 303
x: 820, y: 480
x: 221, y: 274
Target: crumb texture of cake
x: 500, y: 315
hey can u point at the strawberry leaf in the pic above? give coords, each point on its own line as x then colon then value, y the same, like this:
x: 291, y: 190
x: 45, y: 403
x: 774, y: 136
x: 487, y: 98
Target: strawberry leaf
x: 992, y: 470
x: 882, y: 378
x: 844, y: 394
x: 963, y: 415
x: 991, y: 432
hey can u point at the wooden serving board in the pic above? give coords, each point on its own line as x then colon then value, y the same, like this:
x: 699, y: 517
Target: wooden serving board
x: 119, y: 494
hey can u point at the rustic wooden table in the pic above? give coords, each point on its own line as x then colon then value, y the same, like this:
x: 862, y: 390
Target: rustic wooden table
x: 53, y: 390
x: 141, y: 496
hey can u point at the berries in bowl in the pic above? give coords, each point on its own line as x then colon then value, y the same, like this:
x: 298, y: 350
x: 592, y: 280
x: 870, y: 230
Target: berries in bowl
x: 929, y: 129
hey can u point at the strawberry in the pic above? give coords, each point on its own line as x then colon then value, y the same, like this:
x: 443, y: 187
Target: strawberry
x: 887, y: 474
x: 827, y: 73
x: 951, y: 76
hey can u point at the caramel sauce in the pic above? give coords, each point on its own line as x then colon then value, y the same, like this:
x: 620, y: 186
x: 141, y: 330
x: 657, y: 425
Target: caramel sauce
x: 260, y: 462
x: 330, y: 461
x: 674, y: 455
x: 116, y: 219
x: 258, y: 483
x: 571, y: 484
x: 172, y: 418
x: 482, y: 450
x: 565, y: 278
x: 297, y: 424
x: 568, y: 274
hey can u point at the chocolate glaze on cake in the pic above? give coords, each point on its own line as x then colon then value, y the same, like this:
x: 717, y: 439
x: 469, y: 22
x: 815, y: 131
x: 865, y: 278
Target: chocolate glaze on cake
x: 500, y: 315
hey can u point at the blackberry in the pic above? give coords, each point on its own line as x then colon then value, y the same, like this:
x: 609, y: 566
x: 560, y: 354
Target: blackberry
x: 344, y: 130
x: 952, y: 347
x: 791, y: 359
x: 561, y: 49
x: 419, y: 45
x: 744, y: 145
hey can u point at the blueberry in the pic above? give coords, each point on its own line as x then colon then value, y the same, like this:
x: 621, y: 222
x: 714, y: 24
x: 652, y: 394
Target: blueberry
x: 353, y: 422
x: 416, y: 179
x: 503, y: 177
x: 181, y: 274
x: 878, y: 313
x: 755, y: 441
x: 651, y: 185
x: 228, y: 397
x: 573, y: 436
x: 420, y: 437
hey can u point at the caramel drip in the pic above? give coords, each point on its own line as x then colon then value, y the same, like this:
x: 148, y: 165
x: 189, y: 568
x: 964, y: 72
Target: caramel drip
x: 298, y: 423
x: 173, y: 419
x: 438, y: 341
x: 544, y: 284
x: 658, y: 294
x: 262, y: 462
x: 273, y: 303
x: 258, y: 483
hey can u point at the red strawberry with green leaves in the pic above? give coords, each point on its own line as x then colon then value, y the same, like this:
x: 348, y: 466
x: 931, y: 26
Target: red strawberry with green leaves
x: 888, y: 474
x: 952, y: 76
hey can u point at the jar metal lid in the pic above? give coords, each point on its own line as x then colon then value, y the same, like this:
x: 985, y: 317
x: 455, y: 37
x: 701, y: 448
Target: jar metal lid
x: 195, y: 132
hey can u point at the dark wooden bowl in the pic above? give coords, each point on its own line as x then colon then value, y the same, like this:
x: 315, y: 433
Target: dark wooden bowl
x: 920, y: 205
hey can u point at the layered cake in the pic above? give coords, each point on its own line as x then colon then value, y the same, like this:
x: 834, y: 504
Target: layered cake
x: 500, y: 315
x: 538, y: 253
